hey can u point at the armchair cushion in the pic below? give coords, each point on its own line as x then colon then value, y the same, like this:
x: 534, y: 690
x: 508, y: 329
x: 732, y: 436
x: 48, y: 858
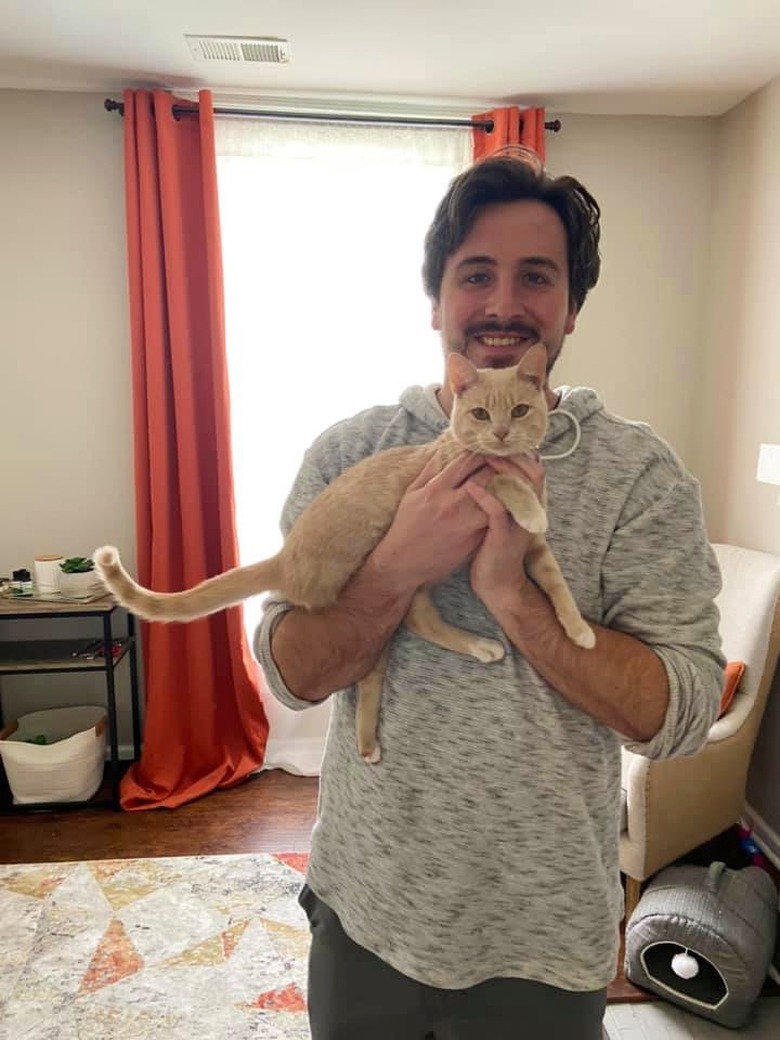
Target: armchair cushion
x: 670, y: 806
x: 734, y: 670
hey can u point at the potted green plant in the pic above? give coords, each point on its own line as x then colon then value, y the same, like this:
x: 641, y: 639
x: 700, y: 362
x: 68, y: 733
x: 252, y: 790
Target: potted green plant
x: 78, y: 579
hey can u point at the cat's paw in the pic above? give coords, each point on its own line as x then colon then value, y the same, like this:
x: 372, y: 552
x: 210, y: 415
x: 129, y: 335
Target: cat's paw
x: 583, y: 635
x: 372, y: 756
x: 488, y: 650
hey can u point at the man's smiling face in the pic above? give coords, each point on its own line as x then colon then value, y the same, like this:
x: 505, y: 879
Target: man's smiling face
x: 506, y: 287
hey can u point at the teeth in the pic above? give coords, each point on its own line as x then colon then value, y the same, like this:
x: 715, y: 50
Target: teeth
x: 501, y: 341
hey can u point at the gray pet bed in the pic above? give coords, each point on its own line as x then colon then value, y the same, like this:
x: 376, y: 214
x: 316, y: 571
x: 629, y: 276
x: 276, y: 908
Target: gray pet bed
x: 703, y: 938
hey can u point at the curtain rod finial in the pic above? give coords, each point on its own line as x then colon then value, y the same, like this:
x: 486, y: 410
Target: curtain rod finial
x: 114, y: 106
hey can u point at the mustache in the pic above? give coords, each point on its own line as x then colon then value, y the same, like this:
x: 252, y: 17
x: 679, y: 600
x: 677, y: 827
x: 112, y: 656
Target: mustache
x: 495, y: 328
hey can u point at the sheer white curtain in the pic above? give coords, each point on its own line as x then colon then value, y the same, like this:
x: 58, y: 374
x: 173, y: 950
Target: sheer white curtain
x: 322, y: 229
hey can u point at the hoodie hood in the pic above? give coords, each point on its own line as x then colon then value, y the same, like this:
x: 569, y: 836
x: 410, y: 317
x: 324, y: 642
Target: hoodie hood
x: 422, y: 403
x: 576, y: 406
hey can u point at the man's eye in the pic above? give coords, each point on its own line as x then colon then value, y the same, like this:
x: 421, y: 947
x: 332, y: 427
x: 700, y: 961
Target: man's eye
x: 520, y: 410
x: 478, y: 278
x: 536, y: 278
x: 480, y: 413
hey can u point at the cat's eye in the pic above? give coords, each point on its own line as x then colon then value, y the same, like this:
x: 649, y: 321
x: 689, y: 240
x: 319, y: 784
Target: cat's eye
x: 480, y: 413
x: 520, y: 410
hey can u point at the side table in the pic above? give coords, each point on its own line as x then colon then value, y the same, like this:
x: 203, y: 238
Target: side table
x: 36, y: 657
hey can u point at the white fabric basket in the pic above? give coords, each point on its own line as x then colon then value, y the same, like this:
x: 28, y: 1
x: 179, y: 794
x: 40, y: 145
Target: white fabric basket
x: 68, y: 767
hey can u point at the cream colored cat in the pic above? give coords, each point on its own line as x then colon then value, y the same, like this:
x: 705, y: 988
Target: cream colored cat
x: 495, y: 412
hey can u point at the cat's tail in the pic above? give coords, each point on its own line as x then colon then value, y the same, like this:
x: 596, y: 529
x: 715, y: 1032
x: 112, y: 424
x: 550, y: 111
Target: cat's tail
x: 210, y: 596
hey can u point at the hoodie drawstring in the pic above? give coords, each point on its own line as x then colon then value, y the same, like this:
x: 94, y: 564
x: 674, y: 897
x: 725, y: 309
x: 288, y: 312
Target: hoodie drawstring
x: 577, y: 436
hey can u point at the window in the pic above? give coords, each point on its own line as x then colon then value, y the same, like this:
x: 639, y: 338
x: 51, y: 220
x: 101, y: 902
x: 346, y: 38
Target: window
x: 322, y: 231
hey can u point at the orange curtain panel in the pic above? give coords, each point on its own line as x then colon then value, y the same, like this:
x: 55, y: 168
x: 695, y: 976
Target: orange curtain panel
x: 510, y: 126
x: 204, y: 724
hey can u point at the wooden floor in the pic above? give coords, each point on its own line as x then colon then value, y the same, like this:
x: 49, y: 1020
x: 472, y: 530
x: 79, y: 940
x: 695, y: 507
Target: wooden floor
x: 270, y: 812
x: 664, y: 1021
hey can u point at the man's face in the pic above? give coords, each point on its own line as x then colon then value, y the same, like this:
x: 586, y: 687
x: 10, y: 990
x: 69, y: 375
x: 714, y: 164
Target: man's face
x: 506, y: 287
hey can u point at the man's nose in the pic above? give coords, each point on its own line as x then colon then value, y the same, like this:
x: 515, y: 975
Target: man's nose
x: 504, y: 300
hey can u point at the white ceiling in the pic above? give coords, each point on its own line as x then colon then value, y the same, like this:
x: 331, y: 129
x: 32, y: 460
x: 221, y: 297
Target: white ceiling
x: 670, y: 57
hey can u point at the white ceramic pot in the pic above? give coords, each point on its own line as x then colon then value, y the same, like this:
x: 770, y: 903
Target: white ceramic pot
x: 79, y: 585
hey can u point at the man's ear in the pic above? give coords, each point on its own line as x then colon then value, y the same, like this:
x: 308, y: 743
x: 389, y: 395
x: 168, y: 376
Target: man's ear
x: 435, y: 316
x: 571, y: 318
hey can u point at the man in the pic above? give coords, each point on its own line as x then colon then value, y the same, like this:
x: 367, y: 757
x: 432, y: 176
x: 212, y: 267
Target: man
x: 467, y: 887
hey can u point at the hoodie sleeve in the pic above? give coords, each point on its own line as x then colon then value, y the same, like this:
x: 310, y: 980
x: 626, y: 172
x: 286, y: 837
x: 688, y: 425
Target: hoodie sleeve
x: 660, y: 578
x: 308, y: 484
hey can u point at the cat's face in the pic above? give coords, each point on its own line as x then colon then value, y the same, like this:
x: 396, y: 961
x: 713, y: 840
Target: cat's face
x: 499, y: 411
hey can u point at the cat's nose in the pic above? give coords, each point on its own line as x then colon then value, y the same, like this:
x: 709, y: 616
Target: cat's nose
x: 500, y: 432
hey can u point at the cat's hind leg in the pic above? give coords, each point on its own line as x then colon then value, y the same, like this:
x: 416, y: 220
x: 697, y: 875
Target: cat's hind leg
x: 369, y: 700
x: 424, y: 620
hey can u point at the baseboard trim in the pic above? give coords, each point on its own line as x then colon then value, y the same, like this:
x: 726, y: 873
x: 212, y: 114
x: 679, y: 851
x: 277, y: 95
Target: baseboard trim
x: 768, y: 841
x: 766, y: 838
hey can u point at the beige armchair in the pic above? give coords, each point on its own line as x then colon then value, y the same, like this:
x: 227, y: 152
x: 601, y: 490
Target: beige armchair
x: 672, y: 806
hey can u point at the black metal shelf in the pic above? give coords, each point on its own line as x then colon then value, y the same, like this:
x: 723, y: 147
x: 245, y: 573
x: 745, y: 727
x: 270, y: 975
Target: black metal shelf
x: 56, y: 656
x: 49, y: 656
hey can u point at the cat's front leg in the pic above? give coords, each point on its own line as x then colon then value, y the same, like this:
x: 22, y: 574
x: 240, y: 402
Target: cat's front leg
x: 520, y: 501
x: 545, y: 571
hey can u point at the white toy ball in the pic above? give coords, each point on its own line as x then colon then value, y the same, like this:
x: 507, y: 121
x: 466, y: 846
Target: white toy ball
x: 685, y: 966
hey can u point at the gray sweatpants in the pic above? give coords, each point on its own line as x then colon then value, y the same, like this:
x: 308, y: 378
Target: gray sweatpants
x: 353, y: 995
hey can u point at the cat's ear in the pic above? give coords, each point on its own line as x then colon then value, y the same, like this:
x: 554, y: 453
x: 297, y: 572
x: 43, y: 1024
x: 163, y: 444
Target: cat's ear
x: 533, y: 365
x: 460, y: 373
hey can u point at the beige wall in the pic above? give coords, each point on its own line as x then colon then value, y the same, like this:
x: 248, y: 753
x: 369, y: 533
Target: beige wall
x: 65, y: 433
x: 684, y: 330
x: 65, y: 418
x: 639, y: 336
x: 739, y: 395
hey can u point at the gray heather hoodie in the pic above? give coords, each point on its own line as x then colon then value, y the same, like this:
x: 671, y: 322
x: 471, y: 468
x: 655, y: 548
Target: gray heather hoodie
x: 486, y: 842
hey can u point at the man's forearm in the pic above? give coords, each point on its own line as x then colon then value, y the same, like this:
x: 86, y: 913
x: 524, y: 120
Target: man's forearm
x: 320, y: 651
x: 621, y: 681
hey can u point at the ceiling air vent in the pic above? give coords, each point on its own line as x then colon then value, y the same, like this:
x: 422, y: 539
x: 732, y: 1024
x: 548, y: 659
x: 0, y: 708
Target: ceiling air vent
x: 267, y: 49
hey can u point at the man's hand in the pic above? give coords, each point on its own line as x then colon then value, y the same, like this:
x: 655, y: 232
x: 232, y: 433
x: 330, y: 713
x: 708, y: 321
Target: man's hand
x: 437, y: 527
x: 438, y: 524
x: 498, y: 568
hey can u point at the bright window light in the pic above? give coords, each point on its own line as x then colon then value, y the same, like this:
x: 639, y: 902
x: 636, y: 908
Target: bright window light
x: 322, y: 232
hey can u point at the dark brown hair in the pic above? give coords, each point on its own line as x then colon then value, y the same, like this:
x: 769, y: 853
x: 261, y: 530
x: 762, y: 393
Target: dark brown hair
x: 507, y: 177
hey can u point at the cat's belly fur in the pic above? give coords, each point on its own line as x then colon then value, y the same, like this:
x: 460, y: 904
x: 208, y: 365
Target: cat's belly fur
x: 334, y: 534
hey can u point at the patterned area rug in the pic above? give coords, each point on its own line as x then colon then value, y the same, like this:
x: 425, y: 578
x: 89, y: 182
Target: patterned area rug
x: 211, y: 947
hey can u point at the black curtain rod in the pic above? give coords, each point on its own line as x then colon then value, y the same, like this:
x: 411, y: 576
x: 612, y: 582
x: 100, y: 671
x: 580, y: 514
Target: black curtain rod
x: 110, y: 105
